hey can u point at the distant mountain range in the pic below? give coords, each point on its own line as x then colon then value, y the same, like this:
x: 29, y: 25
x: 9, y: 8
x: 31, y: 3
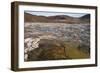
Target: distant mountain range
x: 56, y: 19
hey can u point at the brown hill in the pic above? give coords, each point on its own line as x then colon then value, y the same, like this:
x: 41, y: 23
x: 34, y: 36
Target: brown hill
x: 51, y: 19
x: 64, y: 19
x: 85, y: 18
x: 33, y: 18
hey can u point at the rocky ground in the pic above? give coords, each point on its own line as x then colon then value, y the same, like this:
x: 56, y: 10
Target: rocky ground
x: 54, y: 41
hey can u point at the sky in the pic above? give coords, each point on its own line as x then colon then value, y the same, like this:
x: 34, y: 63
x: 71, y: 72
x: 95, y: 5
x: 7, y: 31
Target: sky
x: 41, y: 13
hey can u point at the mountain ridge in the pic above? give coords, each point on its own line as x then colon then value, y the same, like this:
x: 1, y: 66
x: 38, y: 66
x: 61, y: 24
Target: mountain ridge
x: 55, y: 19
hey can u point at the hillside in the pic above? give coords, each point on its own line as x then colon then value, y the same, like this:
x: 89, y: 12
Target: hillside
x: 55, y: 19
x: 85, y: 18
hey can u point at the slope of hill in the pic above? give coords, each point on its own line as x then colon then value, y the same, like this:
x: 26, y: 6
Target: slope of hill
x: 85, y: 18
x: 33, y: 18
x: 55, y: 19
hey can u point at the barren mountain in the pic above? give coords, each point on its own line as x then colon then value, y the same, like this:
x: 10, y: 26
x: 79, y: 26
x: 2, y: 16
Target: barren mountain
x: 33, y: 18
x: 55, y: 19
x: 85, y: 18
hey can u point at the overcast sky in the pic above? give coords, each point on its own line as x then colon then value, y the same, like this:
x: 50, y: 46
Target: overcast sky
x: 41, y: 13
